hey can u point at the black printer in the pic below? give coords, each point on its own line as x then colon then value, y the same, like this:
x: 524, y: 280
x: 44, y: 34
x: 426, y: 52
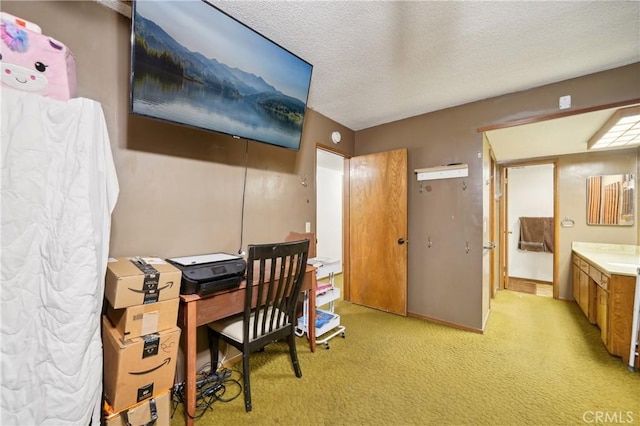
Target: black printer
x: 207, y: 273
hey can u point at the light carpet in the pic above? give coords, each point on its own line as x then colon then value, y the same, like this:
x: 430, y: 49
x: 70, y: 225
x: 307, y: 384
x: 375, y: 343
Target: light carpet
x: 539, y: 362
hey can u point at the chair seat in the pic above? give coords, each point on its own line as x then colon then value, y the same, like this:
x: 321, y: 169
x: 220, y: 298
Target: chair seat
x: 232, y: 327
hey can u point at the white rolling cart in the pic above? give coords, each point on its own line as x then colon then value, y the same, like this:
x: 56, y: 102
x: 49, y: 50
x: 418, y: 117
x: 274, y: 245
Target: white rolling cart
x: 327, y: 320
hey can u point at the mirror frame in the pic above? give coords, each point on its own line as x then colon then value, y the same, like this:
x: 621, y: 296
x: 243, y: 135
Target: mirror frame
x: 610, y: 200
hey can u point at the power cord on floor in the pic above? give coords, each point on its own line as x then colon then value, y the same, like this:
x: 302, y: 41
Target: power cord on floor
x: 210, y: 387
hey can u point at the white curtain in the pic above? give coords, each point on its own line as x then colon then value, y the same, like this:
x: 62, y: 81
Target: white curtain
x: 59, y: 188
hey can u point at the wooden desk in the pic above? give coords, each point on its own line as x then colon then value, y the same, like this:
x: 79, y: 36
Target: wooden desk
x: 196, y: 311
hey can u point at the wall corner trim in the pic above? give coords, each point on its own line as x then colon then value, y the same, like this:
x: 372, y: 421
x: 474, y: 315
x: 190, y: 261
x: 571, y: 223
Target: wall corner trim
x: 119, y: 6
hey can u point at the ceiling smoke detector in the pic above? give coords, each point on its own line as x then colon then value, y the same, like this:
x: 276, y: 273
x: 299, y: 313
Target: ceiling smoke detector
x: 336, y: 137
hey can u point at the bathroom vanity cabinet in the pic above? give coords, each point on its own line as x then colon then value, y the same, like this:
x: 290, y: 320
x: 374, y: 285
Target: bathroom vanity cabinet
x: 604, y: 278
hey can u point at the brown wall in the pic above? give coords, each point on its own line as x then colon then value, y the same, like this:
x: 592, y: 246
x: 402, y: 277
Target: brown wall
x: 181, y: 188
x: 444, y: 281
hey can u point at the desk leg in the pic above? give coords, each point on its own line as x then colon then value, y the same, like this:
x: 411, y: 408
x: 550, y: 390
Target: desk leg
x: 190, y: 353
x: 311, y: 321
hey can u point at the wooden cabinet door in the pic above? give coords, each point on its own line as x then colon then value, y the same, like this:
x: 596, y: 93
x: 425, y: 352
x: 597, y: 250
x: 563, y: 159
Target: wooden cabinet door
x: 583, y: 280
x: 620, y: 318
x: 576, y: 283
x: 593, y: 301
x: 602, y: 313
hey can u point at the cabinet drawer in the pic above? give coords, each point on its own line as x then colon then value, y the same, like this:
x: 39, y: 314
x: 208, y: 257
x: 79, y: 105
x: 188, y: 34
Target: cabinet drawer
x: 604, y: 282
x: 595, y: 274
x: 584, y: 265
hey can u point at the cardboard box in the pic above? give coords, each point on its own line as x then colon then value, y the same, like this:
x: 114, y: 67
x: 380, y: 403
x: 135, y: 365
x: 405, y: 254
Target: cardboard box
x: 136, y: 369
x: 140, y: 320
x: 134, y: 281
x: 140, y: 414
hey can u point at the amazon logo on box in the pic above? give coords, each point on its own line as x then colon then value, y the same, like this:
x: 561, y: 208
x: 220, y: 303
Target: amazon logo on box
x: 135, y: 368
x: 132, y: 281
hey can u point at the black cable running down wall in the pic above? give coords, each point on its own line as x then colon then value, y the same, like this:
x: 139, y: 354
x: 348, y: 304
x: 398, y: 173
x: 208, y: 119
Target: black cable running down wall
x: 244, y: 190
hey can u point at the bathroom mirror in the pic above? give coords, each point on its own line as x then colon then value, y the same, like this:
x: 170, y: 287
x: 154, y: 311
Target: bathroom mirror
x: 610, y: 199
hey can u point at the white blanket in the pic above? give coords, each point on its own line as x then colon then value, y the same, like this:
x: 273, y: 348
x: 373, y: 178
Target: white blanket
x: 59, y: 188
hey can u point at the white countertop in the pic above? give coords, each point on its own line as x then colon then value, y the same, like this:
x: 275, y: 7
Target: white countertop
x: 616, y: 259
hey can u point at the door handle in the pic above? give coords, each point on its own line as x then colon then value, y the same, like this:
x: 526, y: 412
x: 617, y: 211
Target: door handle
x: 490, y: 245
x: 401, y: 241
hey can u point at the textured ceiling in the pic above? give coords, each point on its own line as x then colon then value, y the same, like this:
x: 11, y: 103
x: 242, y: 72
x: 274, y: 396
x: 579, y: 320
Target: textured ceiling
x: 381, y: 61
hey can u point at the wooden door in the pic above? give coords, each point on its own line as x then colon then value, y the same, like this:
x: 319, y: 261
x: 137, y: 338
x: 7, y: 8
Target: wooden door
x: 492, y: 225
x: 504, y: 236
x: 378, y: 231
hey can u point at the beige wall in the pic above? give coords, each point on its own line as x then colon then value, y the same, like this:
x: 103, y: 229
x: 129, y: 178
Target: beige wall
x: 573, y: 171
x: 181, y: 188
x: 445, y: 282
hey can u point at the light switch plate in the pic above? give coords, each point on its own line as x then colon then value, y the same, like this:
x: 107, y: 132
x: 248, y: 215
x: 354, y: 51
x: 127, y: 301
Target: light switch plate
x: 565, y: 102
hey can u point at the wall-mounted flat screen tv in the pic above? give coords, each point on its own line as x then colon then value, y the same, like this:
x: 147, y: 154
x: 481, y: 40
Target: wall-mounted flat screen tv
x: 193, y: 64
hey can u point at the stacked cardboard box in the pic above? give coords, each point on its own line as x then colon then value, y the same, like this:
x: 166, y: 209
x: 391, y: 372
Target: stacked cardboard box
x: 154, y: 411
x: 140, y: 337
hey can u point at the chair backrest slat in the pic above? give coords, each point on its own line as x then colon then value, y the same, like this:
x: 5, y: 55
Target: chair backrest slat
x: 275, y: 273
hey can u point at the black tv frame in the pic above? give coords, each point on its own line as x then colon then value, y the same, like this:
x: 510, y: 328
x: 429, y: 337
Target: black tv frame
x: 267, y: 105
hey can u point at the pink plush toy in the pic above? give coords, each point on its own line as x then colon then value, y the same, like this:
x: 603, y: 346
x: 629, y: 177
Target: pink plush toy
x: 35, y: 63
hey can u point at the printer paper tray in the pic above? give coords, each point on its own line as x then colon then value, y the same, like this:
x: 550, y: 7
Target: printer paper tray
x: 205, y: 288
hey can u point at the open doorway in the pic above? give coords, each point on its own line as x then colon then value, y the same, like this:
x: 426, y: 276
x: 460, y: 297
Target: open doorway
x: 516, y: 143
x: 529, y: 222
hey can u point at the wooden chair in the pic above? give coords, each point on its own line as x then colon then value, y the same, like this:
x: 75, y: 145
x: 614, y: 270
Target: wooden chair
x: 297, y: 236
x: 276, y: 272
